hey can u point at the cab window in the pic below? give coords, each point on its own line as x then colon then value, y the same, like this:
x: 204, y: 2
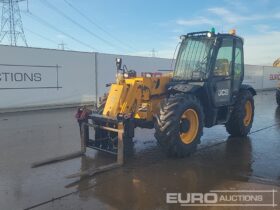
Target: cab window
x: 224, y: 58
x: 238, y: 67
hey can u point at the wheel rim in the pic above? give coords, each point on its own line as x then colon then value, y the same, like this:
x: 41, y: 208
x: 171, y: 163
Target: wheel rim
x: 248, y: 113
x: 191, y: 116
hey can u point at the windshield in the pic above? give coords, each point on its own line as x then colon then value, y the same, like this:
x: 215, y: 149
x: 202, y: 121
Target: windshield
x: 193, y: 58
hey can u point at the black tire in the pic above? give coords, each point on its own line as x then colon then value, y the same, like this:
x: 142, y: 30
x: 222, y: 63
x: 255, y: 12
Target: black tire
x: 278, y: 96
x: 168, y: 124
x: 237, y: 126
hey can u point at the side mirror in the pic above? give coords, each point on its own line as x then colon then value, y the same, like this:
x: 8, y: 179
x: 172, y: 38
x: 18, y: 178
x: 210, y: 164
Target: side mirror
x: 119, y: 63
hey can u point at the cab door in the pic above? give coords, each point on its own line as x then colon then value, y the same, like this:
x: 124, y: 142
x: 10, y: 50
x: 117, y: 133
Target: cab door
x: 238, y: 70
x: 221, y: 79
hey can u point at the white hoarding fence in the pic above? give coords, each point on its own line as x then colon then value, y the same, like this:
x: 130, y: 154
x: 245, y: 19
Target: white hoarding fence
x: 262, y: 77
x: 29, y: 77
x: 36, y: 78
x: 253, y: 76
x: 271, y: 77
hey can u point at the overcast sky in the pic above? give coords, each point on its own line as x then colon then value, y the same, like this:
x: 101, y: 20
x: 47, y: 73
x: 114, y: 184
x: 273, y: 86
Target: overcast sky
x: 136, y: 27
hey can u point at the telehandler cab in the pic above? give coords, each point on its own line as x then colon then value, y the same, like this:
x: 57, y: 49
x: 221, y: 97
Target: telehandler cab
x: 205, y: 89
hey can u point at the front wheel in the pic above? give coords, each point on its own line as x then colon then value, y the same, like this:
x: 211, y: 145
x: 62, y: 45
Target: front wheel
x: 242, y: 116
x: 179, y: 124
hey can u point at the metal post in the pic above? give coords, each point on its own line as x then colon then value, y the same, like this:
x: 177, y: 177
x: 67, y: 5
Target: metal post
x: 96, y: 77
x: 120, y: 158
x: 84, y: 136
x: 57, y: 86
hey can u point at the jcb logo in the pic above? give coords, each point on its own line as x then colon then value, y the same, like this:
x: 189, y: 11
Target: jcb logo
x: 223, y: 92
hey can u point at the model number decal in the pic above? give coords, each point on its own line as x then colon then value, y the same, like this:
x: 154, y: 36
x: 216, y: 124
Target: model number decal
x: 223, y: 92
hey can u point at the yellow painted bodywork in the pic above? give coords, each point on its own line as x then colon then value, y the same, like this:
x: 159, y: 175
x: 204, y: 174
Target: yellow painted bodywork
x: 139, y: 96
x: 248, y: 113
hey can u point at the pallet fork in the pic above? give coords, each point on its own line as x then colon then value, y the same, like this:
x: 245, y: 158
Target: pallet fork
x: 97, y: 122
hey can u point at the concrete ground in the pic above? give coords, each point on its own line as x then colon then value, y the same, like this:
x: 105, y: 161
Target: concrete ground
x: 221, y: 163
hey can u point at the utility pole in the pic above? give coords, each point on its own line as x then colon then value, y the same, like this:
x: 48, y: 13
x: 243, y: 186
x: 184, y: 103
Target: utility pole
x: 61, y: 45
x: 153, y: 52
x: 11, y: 30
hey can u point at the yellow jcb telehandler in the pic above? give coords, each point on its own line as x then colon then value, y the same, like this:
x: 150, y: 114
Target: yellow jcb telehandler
x: 204, y: 90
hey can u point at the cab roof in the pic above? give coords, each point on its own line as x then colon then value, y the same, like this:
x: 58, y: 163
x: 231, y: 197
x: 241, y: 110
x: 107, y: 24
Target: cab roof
x: 205, y: 33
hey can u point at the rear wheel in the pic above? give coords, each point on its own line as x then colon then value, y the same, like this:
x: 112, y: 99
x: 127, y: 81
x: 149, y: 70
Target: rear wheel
x: 242, y: 116
x: 278, y: 96
x: 179, y: 124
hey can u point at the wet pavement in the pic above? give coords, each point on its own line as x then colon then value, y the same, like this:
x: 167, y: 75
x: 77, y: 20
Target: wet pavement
x: 221, y: 163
